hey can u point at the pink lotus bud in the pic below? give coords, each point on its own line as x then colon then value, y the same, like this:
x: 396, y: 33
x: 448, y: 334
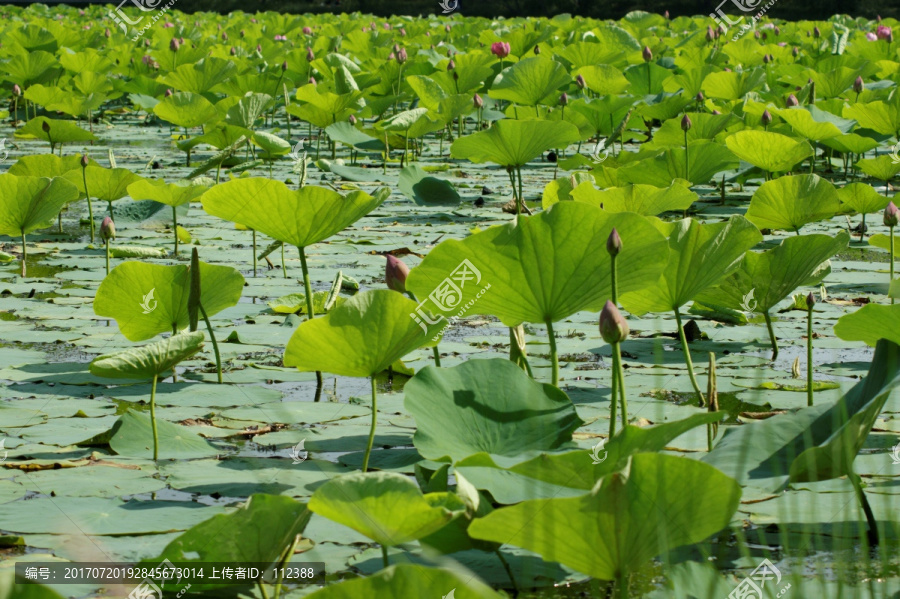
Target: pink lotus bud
x: 756, y: 34
x: 45, y: 126
x: 710, y: 35
x: 686, y: 123
x: 107, y: 33
x: 396, y: 48
x: 613, y: 242
x: 352, y: 120
x: 284, y: 66
x: 666, y: 15
x: 309, y: 54
x: 777, y: 30
x: 767, y: 58
x: 233, y: 51
x: 168, y: 93
x: 451, y: 65
x: 884, y: 33
x: 699, y: 97
x: 537, y: 49
x: 858, y: 85
x: 312, y: 80
x: 613, y: 327
x: 791, y: 101
x: 716, y: 112
x: 891, y: 215
x: 84, y: 161
x: 168, y: 25
x: 17, y: 91
x: 402, y: 56
x: 447, y: 27
x: 387, y: 26
x: 500, y: 49
x: 795, y: 52
x: 766, y: 118
x: 395, y: 273
x: 810, y: 301
x: 817, y: 32
x: 107, y: 229
x: 259, y: 48
x: 647, y: 54
x: 392, y: 56
x: 579, y: 81
x: 564, y: 99
x: 477, y: 101
x: 307, y: 30
x: 174, y: 45
x: 871, y: 36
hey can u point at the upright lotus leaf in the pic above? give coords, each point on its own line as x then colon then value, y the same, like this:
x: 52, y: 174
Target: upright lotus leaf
x: 323, y: 108
x: 788, y: 203
x: 730, y: 85
x: 699, y: 256
x: 186, y: 109
x: 409, y: 580
x: 201, y: 76
x: 565, y: 474
x: 148, y: 361
x: 707, y: 159
x: 513, y: 143
x: 703, y: 126
x: 170, y: 194
x: 105, y: 184
x: 147, y: 299
x: 869, y: 324
x: 883, y: 168
x: 30, y: 68
x: 806, y: 125
x: 486, y: 405
x: 862, y: 198
x: 883, y: 117
x: 603, y: 79
x: 567, y: 275
x: 771, y: 453
x: 359, y: 338
x: 645, y: 200
x: 266, y: 524
x: 772, y: 152
x: 629, y: 517
x: 425, y: 189
x: 248, y: 110
x: 560, y: 190
x: 299, y: 218
x: 31, y: 203
x: 387, y: 507
x: 47, y: 165
x: 531, y: 81
x: 60, y: 131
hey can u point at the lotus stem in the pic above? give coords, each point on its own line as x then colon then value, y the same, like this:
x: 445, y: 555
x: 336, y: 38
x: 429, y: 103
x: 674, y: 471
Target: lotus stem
x: 310, y: 313
x: 620, y: 380
x: 107, y: 256
x: 24, y: 253
x: 892, y: 262
x: 686, y: 162
x: 275, y: 95
x: 772, y: 338
x: 614, y: 279
x: 521, y: 195
x: 622, y: 585
x: 384, y: 556
x: 809, y: 357
x: 285, y: 557
x: 509, y: 572
x: 153, y: 417
x: 872, y: 533
x: 175, y: 227
x: 283, y: 265
x: 687, y: 358
x: 212, y: 337
x: 862, y: 228
x: 613, y: 398
x: 371, y: 441
x: 712, y: 395
x: 554, y: 357
x: 287, y: 103
x: 254, y: 252
x: 90, y: 205
x: 437, y: 356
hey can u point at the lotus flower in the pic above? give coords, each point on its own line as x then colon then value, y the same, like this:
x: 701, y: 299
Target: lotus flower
x: 307, y: 30
x: 500, y: 49
x: 613, y: 327
x: 884, y: 33
x: 167, y: 25
x: 312, y: 80
x: 107, y: 229
x: 891, y: 215
x: 871, y: 36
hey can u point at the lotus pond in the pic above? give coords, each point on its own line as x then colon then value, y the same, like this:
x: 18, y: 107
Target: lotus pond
x: 450, y: 307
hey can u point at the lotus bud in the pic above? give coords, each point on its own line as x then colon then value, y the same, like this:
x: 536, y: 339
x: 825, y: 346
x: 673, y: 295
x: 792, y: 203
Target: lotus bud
x: 17, y: 91
x: 766, y: 118
x: 259, y: 48
x: 284, y: 66
x: 537, y: 49
x: 500, y: 49
x: 858, y: 85
x: 613, y: 242
x: 767, y: 58
x: 686, y: 123
x: 307, y: 30
x: 871, y: 36
x: 312, y: 80
x: 447, y: 27
x: 756, y: 34
x: 613, y: 327
x: 891, y: 215
x: 168, y: 93
x: 777, y: 30
x: 243, y: 33
x: 573, y: 182
x: 795, y: 52
x: 45, y: 126
x: 84, y: 160
x: 174, y: 44
x: 666, y: 15
x: 810, y: 301
x: 233, y: 51
x: 107, y: 33
x: 392, y: 56
x: 885, y: 33
x: 817, y: 32
x: 396, y: 48
x: 309, y: 54
x: 107, y: 229
x: 451, y: 65
x: 224, y: 36
x: 579, y: 81
x: 477, y: 101
x: 699, y: 97
x: 716, y: 112
x: 402, y: 56
x: 791, y: 101
x: 710, y: 35
x: 402, y: 32
x: 395, y: 273
x: 647, y: 54
x: 564, y: 99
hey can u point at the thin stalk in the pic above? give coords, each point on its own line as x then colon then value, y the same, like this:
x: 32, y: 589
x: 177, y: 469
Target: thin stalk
x: 554, y: 357
x: 687, y: 357
x: 892, y: 262
x: 275, y: 95
x: 287, y: 114
x: 622, y: 586
x: 620, y: 378
x: 365, y: 465
x: 311, y: 312
x: 772, y: 338
x: 175, y: 227
x: 509, y: 573
x: 153, y: 418
x: 283, y: 265
x: 686, y: 162
x: 613, y: 399
x: 262, y: 589
x: 867, y: 509
x: 254, y: 253
x: 809, y: 358
x: 90, y: 205
x: 521, y: 195
x: 107, y: 256
x: 24, y: 253
x: 862, y: 228
x: 384, y: 556
x: 614, y: 280
x: 215, y: 345
x: 437, y: 356
x: 712, y: 396
x: 285, y: 558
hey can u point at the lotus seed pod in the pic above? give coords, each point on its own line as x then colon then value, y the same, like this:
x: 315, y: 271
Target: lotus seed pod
x: 686, y: 123
x: 791, y: 101
x: 891, y: 215
x: 613, y: 327
x: 810, y: 301
x: 647, y: 54
x: 766, y: 118
x: 395, y: 273
x: 107, y: 229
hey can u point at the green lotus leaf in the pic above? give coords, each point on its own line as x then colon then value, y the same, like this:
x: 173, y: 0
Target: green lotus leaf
x: 507, y: 278
x: 272, y: 145
x: 299, y: 218
x: 730, y: 85
x: 699, y: 257
x: 628, y: 517
x: 706, y: 160
x: 486, y: 405
x: 105, y: 184
x: 883, y: 168
x: 769, y: 151
x: 248, y: 110
x: 819, y: 442
x: 29, y: 68
x: 703, y: 126
x: 387, y: 507
x: 170, y: 194
x: 513, y: 143
x: 295, y: 303
x: 880, y: 240
x: 869, y: 324
x: 132, y: 436
x: 883, y: 117
x: 603, y: 79
x: 426, y: 190
x: 766, y: 278
x: 349, y: 135
x: 60, y: 131
x: 851, y: 142
x: 862, y: 198
x: 148, y: 299
x: 409, y: 580
x: 148, y: 361
x: 806, y: 125
x: 31, y: 203
x: 788, y: 203
x: 560, y: 190
x: 531, y: 81
x: 645, y: 200
x: 201, y: 76
x: 186, y: 109
x: 47, y: 165
x: 361, y: 337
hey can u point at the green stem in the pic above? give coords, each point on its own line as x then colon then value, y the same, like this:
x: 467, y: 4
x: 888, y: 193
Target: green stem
x: 285, y: 558
x: 90, y: 205
x: 254, y: 253
x: 892, y: 262
x: 153, y: 418
x: 614, y: 280
x: 310, y: 311
x: 687, y: 357
x: 24, y: 253
x: 175, y: 227
x: 215, y: 345
x: 620, y: 378
x: 437, y: 356
x: 521, y: 195
x: 371, y: 441
x: 622, y: 585
x: 862, y: 228
x: 772, y: 338
x: 283, y: 265
x: 613, y: 398
x: 107, y: 256
x: 554, y: 357
x: 262, y: 589
x: 509, y: 572
x: 384, y: 556
x: 686, y: 162
x: 809, y: 358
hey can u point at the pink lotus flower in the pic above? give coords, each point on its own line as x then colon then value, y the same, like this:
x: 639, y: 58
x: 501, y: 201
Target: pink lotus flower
x: 167, y: 25
x: 871, y: 36
x: 884, y: 33
x: 307, y: 30
x: 395, y: 273
x: 500, y: 49
x: 387, y: 26
x: 147, y: 59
